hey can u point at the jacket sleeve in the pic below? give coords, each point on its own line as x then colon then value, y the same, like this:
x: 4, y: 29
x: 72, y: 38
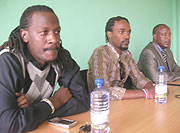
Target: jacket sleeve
x: 72, y: 80
x: 148, y: 64
x: 138, y: 78
x: 13, y: 118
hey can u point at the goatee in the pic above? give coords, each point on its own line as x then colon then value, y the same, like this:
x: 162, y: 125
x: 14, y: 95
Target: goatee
x: 123, y: 49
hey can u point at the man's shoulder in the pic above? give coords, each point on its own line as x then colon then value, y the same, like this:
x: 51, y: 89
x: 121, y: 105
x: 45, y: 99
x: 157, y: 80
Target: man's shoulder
x: 7, y: 56
x: 5, y: 50
x: 149, y: 47
x: 7, y: 53
x: 101, y: 47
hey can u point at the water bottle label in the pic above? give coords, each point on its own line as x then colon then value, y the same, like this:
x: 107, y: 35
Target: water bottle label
x: 99, y: 117
x: 160, y: 89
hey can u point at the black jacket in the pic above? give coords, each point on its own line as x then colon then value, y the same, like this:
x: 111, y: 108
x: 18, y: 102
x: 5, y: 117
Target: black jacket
x: 14, y: 119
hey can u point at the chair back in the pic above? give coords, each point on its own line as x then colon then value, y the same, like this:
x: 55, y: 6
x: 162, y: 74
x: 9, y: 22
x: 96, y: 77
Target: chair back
x: 84, y: 77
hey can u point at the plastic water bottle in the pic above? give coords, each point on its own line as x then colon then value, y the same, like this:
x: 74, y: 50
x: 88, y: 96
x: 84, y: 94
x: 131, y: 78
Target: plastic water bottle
x: 161, y: 86
x: 100, y: 108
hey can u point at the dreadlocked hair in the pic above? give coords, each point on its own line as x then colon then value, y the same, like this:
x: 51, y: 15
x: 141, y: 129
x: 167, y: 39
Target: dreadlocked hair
x: 16, y: 44
x: 110, y: 24
x: 63, y: 58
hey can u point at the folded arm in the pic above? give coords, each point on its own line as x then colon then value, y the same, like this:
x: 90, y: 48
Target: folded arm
x: 79, y: 102
x: 12, y: 117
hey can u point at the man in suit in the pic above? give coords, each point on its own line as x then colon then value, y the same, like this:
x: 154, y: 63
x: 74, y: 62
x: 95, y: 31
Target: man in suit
x: 158, y: 53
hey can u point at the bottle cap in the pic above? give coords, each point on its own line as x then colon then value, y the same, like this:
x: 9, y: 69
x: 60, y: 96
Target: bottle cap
x: 99, y: 82
x: 161, y: 68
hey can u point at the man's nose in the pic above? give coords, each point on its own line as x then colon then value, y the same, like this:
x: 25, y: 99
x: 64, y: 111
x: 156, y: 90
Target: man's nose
x: 127, y: 36
x: 169, y: 37
x: 53, y: 38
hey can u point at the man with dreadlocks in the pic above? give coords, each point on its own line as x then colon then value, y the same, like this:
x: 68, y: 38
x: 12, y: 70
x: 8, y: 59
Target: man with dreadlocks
x: 32, y: 62
x: 113, y: 62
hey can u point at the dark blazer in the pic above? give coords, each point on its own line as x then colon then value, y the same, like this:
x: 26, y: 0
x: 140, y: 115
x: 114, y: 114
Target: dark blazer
x: 149, y: 60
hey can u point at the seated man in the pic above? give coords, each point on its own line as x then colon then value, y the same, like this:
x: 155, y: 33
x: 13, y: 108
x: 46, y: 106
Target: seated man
x: 114, y: 63
x: 158, y: 53
x: 32, y: 62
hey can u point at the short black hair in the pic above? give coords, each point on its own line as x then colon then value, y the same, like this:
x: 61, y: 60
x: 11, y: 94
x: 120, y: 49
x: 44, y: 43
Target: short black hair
x: 110, y: 24
x: 155, y: 29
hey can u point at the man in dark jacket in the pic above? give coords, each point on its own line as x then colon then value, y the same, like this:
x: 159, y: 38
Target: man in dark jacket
x: 32, y: 62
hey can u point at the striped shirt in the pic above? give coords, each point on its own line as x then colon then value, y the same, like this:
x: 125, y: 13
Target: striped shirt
x: 105, y: 63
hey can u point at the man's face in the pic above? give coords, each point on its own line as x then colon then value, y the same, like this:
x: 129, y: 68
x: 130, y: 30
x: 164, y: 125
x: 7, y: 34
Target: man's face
x: 120, y: 35
x: 42, y: 37
x: 163, y: 37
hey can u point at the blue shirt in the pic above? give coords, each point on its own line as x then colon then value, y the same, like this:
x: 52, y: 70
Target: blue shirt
x: 160, y: 49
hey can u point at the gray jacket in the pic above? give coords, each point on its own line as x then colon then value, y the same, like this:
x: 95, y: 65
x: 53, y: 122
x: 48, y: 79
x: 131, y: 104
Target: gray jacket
x: 149, y: 60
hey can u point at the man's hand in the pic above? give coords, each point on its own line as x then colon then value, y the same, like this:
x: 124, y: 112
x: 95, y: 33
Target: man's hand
x: 152, y: 91
x: 61, y: 96
x: 22, y: 100
x: 178, y: 71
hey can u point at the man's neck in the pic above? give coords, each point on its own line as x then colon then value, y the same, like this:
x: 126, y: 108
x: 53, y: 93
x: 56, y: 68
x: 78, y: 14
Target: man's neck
x: 34, y: 62
x: 113, y: 49
x: 160, y: 49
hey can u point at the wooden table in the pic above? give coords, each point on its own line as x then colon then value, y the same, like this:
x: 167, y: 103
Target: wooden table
x: 129, y: 116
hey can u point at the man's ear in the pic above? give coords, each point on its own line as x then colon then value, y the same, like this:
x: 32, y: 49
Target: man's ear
x: 154, y: 36
x: 109, y: 34
x: 24, y: 35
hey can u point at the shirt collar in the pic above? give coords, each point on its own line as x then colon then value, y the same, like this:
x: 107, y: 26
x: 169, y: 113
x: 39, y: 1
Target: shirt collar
x: 113, y: 53
x: 113, y: 50
x: 34, y: 62
x: 160, y: 49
